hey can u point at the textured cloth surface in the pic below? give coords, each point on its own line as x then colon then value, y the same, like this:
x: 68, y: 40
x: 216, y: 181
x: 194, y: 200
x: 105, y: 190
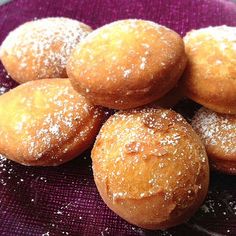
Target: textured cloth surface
x: 64, y: 200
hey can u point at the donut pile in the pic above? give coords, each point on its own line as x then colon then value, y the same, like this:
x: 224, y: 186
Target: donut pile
x: 150, y: 166
x: 210, y: 80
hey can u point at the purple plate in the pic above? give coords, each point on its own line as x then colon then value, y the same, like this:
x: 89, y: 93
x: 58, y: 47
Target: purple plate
x: 64, y: 200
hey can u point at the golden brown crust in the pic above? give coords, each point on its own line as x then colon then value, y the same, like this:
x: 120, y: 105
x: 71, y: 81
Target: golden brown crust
x: 209, y: 78
x: 127, y: 63
x: 46, y: 122
x: 150, y: 167
x: 218, y: 133
x: 40, y: 49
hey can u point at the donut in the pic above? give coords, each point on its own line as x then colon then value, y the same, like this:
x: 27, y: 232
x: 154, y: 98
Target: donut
x: 46, y: 123
x: 40, y: 49
x: 150, y: 167
x: 218, y: 133
x: 127, y: 63
x: 209, y: 78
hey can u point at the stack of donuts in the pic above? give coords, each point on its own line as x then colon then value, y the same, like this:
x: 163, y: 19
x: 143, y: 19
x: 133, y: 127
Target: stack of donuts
x: 150, y: 165
x: 210, y: 80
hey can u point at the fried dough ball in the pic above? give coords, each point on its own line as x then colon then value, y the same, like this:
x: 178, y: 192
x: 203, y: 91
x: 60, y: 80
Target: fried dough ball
x: 218, y: 132
x: 150, y: 167
x: 127, y: 63
x: 40, y: 49
x: 45, y: 123
x: 211, y: 71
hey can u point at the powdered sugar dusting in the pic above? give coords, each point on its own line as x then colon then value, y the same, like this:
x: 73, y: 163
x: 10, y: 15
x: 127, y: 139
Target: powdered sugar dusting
x: 131, y: 54
x: 51, y: 115
x: 134, y: 139
x: 44, y: 45
x: 127, y: 26
x: 215, y: 129
x: 219, y: 33
x: 224, y: 36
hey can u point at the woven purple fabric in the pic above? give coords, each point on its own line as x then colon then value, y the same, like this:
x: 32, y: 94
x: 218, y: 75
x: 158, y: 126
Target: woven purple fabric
x: 64, y: 200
